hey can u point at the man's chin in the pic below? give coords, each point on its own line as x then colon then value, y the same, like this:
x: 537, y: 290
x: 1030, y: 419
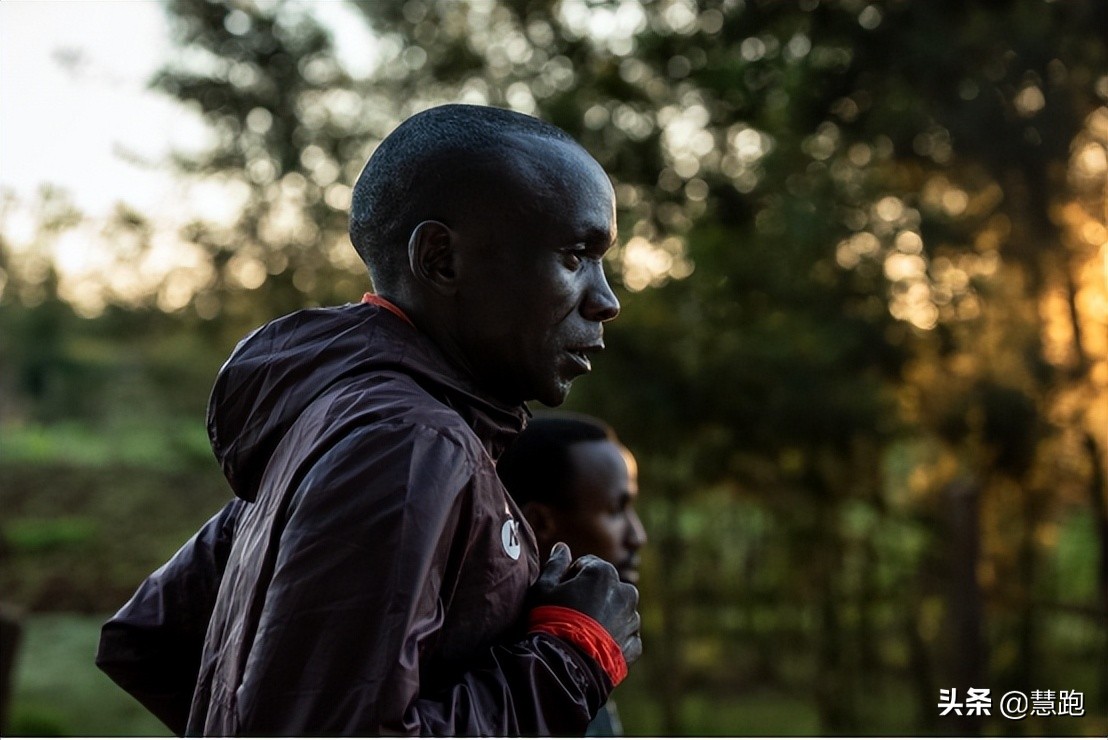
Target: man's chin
x: 551, y: 392
x: 555, y: 395
x: 629, y: 575
x: 565, y: 370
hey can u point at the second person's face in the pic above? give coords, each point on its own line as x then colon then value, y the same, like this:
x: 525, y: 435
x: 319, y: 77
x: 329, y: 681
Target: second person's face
x: 600, y: 518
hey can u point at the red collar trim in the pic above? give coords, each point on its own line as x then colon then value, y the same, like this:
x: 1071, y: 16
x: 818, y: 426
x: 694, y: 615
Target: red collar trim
x: 377, y: 300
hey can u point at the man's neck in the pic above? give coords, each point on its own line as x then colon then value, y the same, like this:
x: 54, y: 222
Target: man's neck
x: 435, y: 322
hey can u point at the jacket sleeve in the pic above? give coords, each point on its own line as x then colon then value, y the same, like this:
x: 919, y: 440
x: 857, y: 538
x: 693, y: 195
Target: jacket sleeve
x: 540, y: 686
x: 354, y: 603
x: 152, y: 646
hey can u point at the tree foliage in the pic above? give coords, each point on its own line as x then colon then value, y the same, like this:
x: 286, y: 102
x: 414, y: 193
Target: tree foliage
x: 863, y: 353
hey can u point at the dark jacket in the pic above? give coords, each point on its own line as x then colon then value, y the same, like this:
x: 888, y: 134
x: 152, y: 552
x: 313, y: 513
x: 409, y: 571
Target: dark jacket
x: 371, y: 576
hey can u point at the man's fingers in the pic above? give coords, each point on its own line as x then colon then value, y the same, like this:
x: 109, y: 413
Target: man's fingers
x: 556, y: 565
x: 560, y: 556
x: 598, y: 566
x: 632, y: 646
x: 632, y: 649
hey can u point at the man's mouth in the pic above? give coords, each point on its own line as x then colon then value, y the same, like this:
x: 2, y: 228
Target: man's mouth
x: 581, y: 355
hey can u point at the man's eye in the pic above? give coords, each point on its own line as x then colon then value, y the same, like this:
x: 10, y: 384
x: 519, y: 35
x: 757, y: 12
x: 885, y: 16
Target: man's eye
x: 575, y: 256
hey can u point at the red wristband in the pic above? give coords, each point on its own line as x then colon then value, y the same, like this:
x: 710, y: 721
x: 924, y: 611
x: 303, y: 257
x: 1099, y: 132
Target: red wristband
x: 585, y: 633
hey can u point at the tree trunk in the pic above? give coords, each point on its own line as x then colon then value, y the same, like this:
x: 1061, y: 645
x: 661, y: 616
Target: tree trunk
x: 923, y: 682
x: 964, y: 600
x: 1027, y: 559
x: 11, y: 630
x: 1100, y: 515
x: 668, y: 678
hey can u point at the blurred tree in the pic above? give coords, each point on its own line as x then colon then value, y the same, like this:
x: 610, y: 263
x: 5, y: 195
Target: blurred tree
x: 291, y: 133
x: 859, y: 279
x: 856, y: 184
x: 92, y: 348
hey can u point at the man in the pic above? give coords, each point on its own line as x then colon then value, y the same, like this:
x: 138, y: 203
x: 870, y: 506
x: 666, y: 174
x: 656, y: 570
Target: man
x: 575, y: 483
x: 371, y: 576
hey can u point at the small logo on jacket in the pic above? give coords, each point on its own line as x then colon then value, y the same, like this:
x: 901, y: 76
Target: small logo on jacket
x: 509, y: 537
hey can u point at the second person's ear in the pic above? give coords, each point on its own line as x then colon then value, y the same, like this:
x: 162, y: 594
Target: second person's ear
x: 541, y: 520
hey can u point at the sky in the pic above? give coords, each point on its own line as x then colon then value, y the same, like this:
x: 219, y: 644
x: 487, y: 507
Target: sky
x: 66, y: 124
x: 74, y: 97
x: 76, y: 113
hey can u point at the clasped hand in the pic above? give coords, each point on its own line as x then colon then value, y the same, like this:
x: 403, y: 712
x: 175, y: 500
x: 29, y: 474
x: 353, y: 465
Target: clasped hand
x: 591, y: 586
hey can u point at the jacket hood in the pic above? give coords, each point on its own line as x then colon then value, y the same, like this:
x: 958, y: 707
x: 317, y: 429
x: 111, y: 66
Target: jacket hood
x: 277, y: 371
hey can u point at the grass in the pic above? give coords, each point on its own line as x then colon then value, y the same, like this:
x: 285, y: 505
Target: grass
x: 169, y: 445
x: 60, y: 692
x: 701, y: 712
x: 79, y: 539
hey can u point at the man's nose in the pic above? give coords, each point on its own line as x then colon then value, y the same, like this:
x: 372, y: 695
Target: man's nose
x: 636, y: 533
x: 600, y: 302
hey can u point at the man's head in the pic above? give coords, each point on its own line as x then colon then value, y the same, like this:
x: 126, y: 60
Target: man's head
x: 577, y: 484
x: 489, y: 227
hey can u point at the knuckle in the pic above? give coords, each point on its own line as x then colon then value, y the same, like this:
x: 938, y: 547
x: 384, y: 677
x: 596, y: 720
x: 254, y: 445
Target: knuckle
x: 597, y: 567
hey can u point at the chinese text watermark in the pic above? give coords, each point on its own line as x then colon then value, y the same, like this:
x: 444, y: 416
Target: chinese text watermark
x: 1014, y: 704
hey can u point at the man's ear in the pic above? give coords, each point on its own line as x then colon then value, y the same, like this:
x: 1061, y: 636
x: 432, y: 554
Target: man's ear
x: 541, y: 519
x: 431, y: 256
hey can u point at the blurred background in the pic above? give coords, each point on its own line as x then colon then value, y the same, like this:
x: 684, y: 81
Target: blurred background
x: 862, y: 359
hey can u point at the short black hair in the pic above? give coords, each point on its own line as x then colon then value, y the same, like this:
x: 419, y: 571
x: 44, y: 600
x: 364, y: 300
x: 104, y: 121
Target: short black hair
x: 536, y: 466
x: 398, y: 188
